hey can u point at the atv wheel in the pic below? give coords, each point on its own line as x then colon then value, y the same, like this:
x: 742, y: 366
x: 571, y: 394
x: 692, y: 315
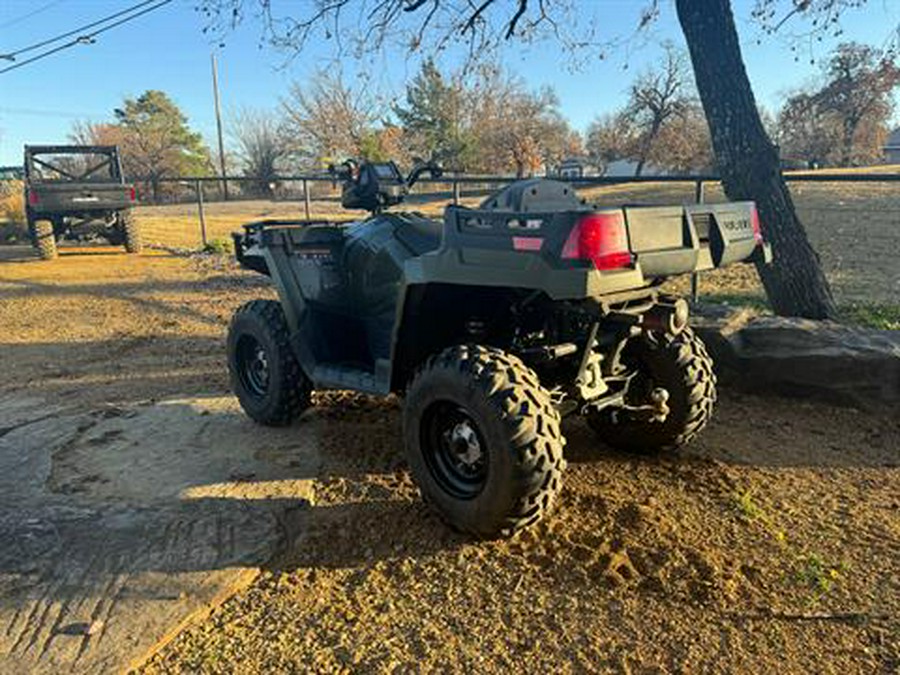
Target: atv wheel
x: 265, y: 375
x: 679, y: 364
x: 43, y: 238
x: 131, y: 232
x: 483, y: 440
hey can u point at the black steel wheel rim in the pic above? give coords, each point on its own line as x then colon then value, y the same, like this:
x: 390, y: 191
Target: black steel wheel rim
x: 252, y: 366
x: 454, y: 449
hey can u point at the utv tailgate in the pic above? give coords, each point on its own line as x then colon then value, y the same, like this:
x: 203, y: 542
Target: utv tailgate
x: 61, y: 197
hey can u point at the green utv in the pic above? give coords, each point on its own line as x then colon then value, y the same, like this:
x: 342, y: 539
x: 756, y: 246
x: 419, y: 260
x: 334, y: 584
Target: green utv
x: 77, y: 191
x: 492, y: 325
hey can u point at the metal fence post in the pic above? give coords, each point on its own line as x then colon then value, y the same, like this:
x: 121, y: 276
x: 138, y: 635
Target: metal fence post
x: 695, y: 276
x: 198, y: 185
x: 455, y: 191
x: 306, y: 203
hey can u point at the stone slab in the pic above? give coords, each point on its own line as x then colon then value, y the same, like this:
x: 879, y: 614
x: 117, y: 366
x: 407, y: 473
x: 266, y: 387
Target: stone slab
x: 815, y: 359
x: 119, y: 525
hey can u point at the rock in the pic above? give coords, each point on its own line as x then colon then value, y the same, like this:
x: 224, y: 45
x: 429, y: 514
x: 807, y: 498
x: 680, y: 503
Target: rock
x: 818, y: 359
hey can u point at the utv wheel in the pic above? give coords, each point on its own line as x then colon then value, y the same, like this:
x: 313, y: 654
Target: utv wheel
x: 43, y: 238
x: 680, y: 365
x: 483, y: 440
x: 265, y: 376
x: 131, y: 232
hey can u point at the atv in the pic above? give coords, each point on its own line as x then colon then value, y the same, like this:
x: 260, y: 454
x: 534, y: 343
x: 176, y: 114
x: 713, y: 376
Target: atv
x: 492, y: 325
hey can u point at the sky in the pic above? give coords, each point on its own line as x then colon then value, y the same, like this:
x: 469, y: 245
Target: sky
x: 166, y: 49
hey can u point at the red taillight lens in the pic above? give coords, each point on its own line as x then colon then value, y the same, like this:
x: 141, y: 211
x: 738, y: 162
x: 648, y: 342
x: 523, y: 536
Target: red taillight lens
x: 600, y: 238
x: 32, y: 198
x: 132, y: 193
x: 754, y: 221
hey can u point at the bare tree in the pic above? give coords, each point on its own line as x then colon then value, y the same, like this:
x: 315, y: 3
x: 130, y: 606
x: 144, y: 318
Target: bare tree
x: 611, y: 137
x: 657, y: 96
x: 861, y: 82
x: 682, y: 144
x: 326, y: 119
x: 516, y: 127
x: 804, y: 132
x: 260, y: 146
x: 746, y: 157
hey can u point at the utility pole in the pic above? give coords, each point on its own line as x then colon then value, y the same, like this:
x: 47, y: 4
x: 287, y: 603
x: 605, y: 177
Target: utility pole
x: 215, y: 82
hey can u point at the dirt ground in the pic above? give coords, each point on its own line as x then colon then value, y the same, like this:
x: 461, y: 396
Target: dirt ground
x: 770, y: 545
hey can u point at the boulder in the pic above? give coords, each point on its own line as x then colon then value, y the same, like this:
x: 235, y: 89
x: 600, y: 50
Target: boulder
x: 817, y: 359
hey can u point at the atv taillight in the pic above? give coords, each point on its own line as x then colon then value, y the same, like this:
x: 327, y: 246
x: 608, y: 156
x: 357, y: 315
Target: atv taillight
x: 132, y: 193
x: 600, y: 238
x: 32, y: 198
x: 754, y: 221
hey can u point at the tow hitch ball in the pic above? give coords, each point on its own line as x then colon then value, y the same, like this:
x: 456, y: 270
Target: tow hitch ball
x: 656, y: 411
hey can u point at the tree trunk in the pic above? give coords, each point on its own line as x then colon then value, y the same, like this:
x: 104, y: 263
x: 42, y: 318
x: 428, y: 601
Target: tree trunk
x: 639, y: 169
x: 748, y: 161
x: 849, y: 135
x: 645, y: 147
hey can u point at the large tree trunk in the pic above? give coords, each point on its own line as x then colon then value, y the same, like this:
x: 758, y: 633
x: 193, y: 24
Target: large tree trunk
x: 748, y: 161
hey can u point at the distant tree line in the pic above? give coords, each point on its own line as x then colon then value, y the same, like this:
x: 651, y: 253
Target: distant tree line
x: 489, y: 121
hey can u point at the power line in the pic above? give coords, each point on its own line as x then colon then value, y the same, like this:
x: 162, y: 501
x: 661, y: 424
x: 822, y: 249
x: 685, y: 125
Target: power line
x: 88, y: 38
x: 43, y: 43
x: 20, y: 19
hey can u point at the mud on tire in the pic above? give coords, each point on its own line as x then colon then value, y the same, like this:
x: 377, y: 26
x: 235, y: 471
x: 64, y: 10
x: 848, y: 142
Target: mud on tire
x: 265, y: 375
x: 681, y: 365
x: 483, y: 440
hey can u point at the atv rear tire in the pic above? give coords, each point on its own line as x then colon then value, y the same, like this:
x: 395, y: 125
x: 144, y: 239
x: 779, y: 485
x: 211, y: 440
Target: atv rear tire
x: 679, y: 364
x: 265, y: 375
x: 43, y: 238
x: 131, y: 231
x: 483, y: 440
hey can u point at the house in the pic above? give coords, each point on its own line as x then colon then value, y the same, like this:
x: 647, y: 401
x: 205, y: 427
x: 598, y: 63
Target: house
x: 892, y: 147
x: 582, y: 167
x: 577, y: 167
x: 624, y: 168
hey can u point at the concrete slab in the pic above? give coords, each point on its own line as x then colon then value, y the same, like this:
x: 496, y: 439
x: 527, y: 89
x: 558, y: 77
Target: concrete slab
x: 119, y: 525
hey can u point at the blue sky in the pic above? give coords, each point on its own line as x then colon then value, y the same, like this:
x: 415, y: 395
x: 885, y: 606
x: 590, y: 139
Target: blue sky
x: 167, y: 50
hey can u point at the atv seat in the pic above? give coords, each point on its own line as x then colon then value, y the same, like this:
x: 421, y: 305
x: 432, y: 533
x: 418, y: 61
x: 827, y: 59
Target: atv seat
x: 419, y: 234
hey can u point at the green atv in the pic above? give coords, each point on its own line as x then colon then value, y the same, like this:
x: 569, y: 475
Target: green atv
x: 492, y: 325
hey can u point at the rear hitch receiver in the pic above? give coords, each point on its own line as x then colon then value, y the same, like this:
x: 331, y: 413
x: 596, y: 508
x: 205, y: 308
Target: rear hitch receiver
x: 666, y: 318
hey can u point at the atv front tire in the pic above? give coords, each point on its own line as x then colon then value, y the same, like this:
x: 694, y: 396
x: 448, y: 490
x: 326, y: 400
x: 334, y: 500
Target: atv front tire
x: 483, y: 440
x: 43, y: 238
x: 265, y: 375
x: 131, y: 231
x: 679, y: 364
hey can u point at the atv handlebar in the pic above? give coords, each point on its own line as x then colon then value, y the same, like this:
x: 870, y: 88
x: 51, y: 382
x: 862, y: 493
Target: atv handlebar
x: 430, y: 167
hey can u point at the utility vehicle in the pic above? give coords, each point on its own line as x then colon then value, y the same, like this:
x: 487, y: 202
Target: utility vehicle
x: 491, y: 325
x: 74, y: 191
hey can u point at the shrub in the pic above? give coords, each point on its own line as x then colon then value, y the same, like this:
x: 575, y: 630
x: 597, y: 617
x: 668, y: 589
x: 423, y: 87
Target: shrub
x: 12, y: 202
x: 219, y: 247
